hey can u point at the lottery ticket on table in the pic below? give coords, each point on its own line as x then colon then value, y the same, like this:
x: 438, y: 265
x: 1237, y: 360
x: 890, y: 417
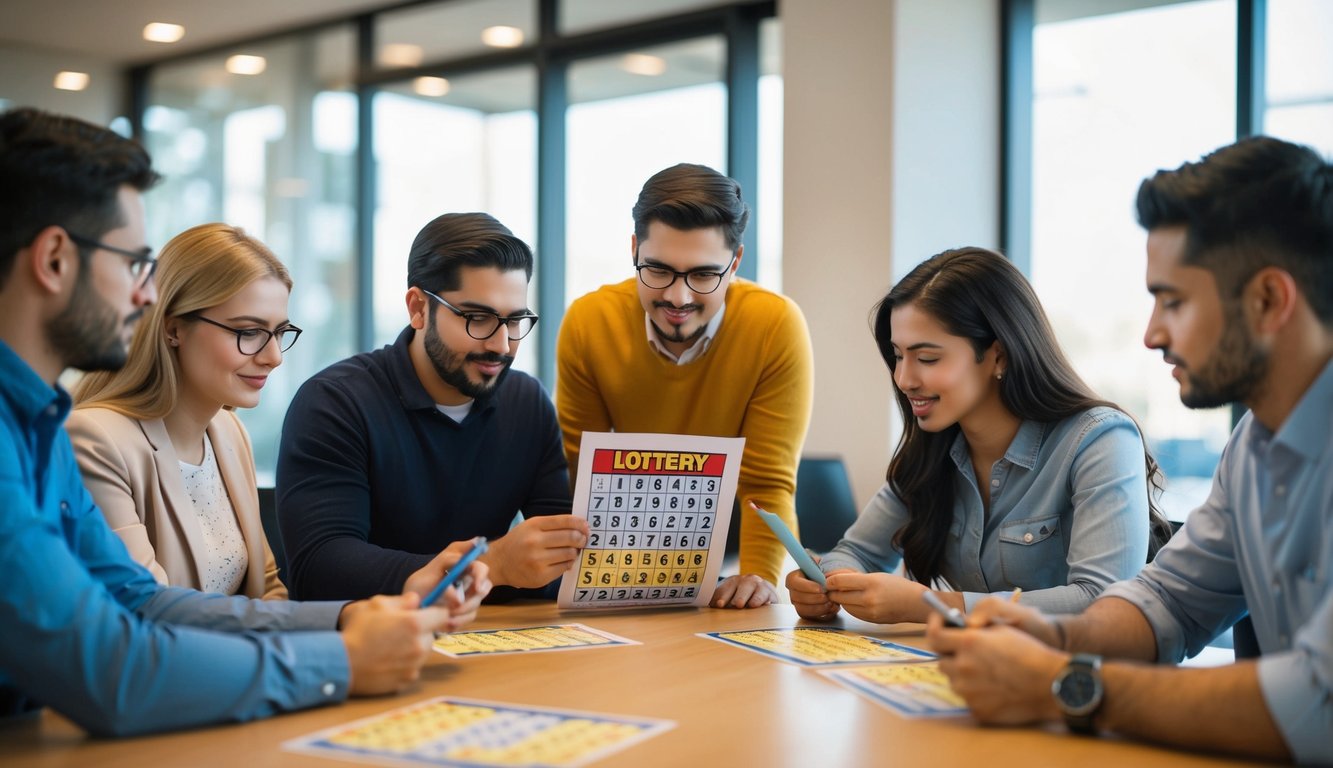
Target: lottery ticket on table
x: 658, y: 509
x: 451, y: 731
x: 556, y: 637
x: 914, y: 690
x: 820, y: 647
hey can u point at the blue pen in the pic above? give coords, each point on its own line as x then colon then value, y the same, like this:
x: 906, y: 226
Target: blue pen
x: 478, y: 547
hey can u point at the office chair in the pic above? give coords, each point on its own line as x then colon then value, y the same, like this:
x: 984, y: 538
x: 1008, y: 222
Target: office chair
x: 825, y: 507
x: 268, y: 516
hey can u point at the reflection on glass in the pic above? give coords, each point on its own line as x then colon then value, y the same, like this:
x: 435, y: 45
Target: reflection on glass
x: 1300, y: 72
x: 422, y: 34
x: 272, y: 153
x: 622, y: 128
x: 472, y: 149
x: 1103, y: 119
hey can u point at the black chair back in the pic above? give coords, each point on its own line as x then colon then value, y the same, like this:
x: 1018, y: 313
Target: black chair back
x: 825, y: 507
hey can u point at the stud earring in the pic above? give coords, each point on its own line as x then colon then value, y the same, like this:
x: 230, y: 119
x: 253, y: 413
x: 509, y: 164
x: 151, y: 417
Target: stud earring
x: 999, y: 376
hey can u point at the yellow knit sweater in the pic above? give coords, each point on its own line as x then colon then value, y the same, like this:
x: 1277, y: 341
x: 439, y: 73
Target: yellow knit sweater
x: 756, y: 381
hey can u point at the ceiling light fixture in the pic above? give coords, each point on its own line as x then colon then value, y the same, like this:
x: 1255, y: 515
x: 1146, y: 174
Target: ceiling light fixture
x: 643, y: 64
x: 71, y: 81
x: 502, y: 37
x: 244, y: 64
x: 401, y: 55
x: 161, y: 32
x: 430, y: 86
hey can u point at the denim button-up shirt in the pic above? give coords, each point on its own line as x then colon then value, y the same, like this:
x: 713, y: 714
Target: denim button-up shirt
x: 1262, y: 541
x: 86, y: 630
x: 1068, y: 516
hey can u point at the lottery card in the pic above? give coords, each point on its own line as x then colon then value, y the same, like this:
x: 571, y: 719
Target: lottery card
x: 658, y: 508
x: 451, y: 731
x: 911, y: 690
x: 555, y: 637
x: 820, y: 647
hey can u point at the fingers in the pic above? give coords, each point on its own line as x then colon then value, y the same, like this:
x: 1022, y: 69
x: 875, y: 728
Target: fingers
x: 555, y: 523
x: 724, y: 592
x: 746, y: 591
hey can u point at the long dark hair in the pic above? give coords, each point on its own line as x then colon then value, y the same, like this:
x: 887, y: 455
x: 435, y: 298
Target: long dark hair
x: 979, y: 295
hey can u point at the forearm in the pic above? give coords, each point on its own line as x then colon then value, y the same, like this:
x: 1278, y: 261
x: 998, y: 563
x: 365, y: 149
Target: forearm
x: 220, y: 613
x: 1218, y: 709
x: 345, y: 568
x: 1064, y: 599
x: 1110, y: 627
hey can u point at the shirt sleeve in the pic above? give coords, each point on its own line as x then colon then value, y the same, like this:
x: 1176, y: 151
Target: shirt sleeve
x: 578, y: 399
x: 74, y: 640
x: 776, y: 419
x: 868, y: 544
x: 1298, y: 688
x: 550, y: 487
x: 324, y: 502
x: 1108, y: 535
x: 106, y: 476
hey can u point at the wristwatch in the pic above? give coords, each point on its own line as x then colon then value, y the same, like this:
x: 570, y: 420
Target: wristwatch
x: 1078, y: 691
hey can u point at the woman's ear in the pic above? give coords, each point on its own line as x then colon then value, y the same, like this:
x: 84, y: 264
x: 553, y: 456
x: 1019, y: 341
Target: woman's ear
x: 1001, y: 359
x: 172, y: 330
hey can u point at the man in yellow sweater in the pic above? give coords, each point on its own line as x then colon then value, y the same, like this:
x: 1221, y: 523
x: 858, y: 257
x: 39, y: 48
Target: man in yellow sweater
x: 687, y: 347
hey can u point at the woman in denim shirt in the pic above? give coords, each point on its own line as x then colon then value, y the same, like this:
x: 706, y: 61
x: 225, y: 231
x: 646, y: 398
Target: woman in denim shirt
x: 1011, y: 473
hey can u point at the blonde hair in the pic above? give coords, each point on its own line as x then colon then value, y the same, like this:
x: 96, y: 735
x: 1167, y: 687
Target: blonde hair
x: 202, y: 267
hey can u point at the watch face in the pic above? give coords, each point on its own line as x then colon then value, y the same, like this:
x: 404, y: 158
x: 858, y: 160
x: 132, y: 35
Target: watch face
x: 1079, y: 691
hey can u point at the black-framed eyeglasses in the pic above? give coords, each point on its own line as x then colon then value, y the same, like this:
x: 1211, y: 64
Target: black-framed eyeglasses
x: 142, y: 262
x: 251, y: 341
x: 658, y: 277
x: 483, y: 325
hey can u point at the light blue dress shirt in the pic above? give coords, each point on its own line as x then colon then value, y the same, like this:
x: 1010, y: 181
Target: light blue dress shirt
x: 1264, y: 541
x: 87, y: 631
x: 1068, y: 516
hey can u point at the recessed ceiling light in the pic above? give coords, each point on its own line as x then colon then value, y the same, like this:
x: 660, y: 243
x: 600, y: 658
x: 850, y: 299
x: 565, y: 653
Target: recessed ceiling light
x: 244, y: 64
x: 71, y: 81
x: 643, y: 64
x: 401, y: 55
x: 430, y: 86
x: 161, y: 32
x: 502, y: 37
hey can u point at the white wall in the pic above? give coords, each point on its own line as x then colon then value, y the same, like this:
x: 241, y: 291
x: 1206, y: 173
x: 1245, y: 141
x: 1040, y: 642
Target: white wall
x: 892, y: 154
x: 26, y: 77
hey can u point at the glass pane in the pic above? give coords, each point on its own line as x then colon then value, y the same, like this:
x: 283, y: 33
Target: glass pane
x: 1117, y: 97
x: 1300, y: 72
x: 768, y: 198
x: 474, y: 148
x: 273, y: 153
x: 438, y: 31
x: 586, y: 15
x: 631, y: 116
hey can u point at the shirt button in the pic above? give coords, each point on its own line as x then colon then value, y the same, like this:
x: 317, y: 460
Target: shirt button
x: 1281, y: 490
x: 1027, y: 538
x: 995, y: 483
x: 329, y: 688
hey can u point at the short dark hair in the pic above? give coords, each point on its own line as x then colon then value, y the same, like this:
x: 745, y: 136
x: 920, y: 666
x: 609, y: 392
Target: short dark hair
x: 456, y: 240
x: 62, y: 171
x: 1257, y: 203
x: 686, y: 197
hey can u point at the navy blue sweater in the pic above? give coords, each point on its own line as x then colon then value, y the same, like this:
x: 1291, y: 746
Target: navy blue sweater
x: 373, y: 481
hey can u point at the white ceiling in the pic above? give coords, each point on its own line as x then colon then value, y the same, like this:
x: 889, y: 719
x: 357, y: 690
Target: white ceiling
x: 112, y: 30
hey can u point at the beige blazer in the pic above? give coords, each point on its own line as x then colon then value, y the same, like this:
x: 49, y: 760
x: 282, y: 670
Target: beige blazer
x: 133, y: 473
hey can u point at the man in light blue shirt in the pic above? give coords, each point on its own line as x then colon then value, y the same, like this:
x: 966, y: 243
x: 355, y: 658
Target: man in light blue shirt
x: 1240, y: 263
x: 86, y: 630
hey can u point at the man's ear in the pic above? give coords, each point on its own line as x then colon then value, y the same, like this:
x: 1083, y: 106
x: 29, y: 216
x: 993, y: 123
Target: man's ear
x: 50, y: 257
x: 1270, y: 298
x: 634, y: 249
x: 740, y: 254
x: 417, y: 306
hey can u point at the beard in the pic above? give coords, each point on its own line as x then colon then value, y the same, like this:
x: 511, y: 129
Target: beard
x: 448, y: 364
x: 675, y: 334
x: 87, y: 332
x: 1232, y: 373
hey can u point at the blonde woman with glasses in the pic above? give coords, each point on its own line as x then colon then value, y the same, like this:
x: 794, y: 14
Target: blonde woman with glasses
x: 158, y: 441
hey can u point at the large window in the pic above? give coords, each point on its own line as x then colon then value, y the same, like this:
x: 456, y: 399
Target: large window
x: 1118, y: 90
x: 272, y: 152
x: 347, y: 137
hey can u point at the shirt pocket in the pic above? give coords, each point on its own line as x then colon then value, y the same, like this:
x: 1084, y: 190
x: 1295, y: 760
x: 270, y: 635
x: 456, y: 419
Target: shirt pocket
x: 1032, y: 553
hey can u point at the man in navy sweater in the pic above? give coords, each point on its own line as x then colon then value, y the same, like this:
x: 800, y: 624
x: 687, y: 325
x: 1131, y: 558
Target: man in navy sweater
x: 389, y: 456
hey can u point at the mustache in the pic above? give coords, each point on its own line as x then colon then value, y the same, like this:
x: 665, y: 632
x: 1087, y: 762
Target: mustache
x: 681, y: 308
x: 490, y: 357
x: 1172, y: 359
x: 134, y: 317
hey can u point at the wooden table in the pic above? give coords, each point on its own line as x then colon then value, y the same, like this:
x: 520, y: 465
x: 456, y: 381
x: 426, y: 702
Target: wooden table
x: 732, y: 708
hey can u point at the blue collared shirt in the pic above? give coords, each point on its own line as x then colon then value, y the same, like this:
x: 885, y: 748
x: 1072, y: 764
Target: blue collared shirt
x: 86, y: 630
x: 1262, y: 541
x: 1068, y: 516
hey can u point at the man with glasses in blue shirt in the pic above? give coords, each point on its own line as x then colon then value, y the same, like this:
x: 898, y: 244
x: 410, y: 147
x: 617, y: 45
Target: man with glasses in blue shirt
x: 87, y: 630
x: 1240, y: 264
x: 389, y: 456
